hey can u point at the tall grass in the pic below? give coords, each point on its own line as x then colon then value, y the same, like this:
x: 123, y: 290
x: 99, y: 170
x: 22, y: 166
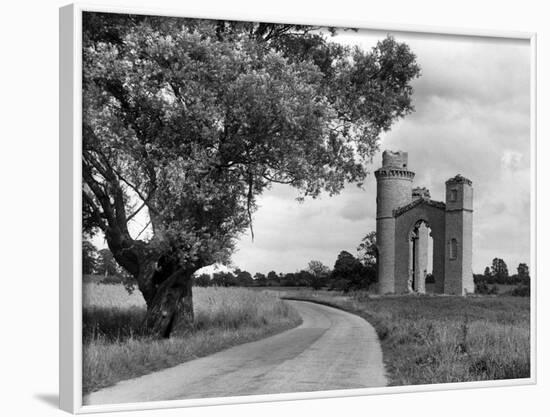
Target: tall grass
x: 114, y: 348
x: 439, y: 339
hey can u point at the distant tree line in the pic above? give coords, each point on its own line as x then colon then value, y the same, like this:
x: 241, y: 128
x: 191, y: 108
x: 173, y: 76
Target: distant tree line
x: 348, y: 273
x: 98, y: 262
x: 102, y: 263
x: 498, y: 274
x: 241, y: 278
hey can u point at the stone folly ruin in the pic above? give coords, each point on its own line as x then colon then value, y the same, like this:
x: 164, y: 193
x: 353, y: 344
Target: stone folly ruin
x: 405, y: 220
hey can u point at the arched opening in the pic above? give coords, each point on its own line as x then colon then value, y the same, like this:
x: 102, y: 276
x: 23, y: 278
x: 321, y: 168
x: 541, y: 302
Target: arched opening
x: 421, y: 278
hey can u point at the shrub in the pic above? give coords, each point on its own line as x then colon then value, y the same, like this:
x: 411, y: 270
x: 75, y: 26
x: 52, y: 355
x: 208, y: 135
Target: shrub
x: 521, y: 291
x: 112, y: 280
x: 224, y: 279
x: 202, y: 280
x: 481, y: 287
x: 341, y: 285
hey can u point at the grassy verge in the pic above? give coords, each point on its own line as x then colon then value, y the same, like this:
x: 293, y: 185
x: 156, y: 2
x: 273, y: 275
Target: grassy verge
x: 431, y: 339
x: 114, y: 350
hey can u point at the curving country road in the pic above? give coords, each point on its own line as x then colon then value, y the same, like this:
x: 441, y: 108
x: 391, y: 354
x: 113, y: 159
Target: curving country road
x: 330, y: 350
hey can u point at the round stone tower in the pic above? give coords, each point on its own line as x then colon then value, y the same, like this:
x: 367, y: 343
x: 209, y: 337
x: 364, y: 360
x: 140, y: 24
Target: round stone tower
x: 394, y: 190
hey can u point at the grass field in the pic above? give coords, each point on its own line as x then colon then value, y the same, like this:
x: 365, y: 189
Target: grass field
x: 439, y: 339
x: 114, y: 349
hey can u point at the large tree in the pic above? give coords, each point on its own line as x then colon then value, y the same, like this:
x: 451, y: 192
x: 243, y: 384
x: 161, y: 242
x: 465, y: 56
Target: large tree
x: 319, y: 272
x: 187, y: 122
x: 349, y: 273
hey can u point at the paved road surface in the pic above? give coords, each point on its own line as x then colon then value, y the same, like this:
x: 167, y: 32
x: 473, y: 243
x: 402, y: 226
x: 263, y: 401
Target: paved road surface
x: 330, y: 350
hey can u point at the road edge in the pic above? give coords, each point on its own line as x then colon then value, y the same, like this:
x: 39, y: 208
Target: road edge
x: 378, y: 325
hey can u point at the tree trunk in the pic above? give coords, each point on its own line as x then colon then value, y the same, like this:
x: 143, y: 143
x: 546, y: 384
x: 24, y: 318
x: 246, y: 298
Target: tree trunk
x: 165, y: 286
x: 170, y: 312
x: 146, y: 278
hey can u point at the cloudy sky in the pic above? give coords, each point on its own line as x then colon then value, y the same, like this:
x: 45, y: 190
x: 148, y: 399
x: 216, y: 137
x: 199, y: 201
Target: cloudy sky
x: 472, y: 117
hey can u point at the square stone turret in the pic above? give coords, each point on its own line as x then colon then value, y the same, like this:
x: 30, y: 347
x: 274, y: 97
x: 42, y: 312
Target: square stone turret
x: 459, y: 196
x: 459, y: 193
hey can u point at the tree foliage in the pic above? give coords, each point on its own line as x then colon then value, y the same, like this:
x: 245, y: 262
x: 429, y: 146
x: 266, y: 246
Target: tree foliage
x: 244, y: 278
x: 89, y: 257
x: 498, y: 273
x: 523, y: 271
x: 203, y: 280
x: 224, y: 279
x: 106, y: 264
x: 499, y: 269
x: 260, y: 279
x: 350, y: 274
x: 367, y: 250
x: 317, y: 268
x: 320, y: 273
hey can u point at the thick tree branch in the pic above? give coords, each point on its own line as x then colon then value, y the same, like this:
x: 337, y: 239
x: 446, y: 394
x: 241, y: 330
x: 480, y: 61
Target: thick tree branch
x: 116, y: 172
x: 94, y: 211
x: 97, y: 190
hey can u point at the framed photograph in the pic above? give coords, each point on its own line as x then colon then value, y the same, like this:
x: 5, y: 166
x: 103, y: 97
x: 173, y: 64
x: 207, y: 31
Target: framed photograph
x: 263, y: 209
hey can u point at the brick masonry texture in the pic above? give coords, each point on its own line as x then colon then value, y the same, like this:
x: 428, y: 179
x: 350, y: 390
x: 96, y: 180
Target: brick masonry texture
x: 403, y: 216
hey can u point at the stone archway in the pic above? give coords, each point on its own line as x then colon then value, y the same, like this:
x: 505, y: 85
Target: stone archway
x: 407, y: 230
x: 419, y: 256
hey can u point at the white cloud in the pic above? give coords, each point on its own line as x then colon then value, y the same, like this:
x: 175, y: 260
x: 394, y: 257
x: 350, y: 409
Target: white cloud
x: 511, y: 160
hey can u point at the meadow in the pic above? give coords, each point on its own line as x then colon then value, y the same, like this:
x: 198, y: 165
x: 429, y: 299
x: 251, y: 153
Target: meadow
x: 440, y: 339
x: 114, y: 348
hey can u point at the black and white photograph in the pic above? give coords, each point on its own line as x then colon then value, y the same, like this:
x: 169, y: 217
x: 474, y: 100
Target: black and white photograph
x: 233, y: 208
x: 270, y: 210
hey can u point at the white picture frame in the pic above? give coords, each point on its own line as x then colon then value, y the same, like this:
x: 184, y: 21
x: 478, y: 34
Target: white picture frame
x: 70, y: 287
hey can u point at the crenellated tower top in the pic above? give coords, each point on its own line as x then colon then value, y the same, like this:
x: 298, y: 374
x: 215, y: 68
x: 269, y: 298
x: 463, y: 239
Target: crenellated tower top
x: 395, y: 159
x: 394, y: 164
x: 458, y: 179
x: 459, y: 193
